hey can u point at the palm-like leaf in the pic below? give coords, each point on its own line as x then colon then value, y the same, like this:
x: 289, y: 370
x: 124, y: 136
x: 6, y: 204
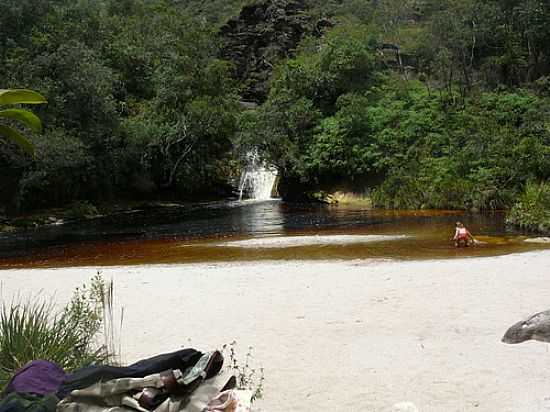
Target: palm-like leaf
x: 20, y: 96
x: 27, y: 118
x: 17, y: 138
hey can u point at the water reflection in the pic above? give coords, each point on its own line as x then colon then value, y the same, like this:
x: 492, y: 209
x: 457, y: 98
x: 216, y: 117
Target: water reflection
x: 261, y: 218
x: 196, y: 233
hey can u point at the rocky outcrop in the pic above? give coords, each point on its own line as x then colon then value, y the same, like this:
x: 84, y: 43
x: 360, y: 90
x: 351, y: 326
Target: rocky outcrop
x: 264, y: 33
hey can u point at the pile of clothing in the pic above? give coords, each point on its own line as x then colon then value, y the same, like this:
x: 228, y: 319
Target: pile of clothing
x: 182, y: 381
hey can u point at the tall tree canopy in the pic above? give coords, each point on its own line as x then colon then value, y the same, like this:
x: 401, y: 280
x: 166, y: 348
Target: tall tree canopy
x: 424, y: 103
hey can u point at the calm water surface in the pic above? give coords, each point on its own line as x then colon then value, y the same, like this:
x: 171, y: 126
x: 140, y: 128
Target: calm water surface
x: 238, y: 231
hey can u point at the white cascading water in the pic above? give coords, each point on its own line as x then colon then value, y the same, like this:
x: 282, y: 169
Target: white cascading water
x: 257, y: 180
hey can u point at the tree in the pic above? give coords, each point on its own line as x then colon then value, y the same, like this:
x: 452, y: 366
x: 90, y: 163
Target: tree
x: 26, y: 117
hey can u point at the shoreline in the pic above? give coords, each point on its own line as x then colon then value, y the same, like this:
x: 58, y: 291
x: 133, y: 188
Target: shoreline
x: 338, y: 335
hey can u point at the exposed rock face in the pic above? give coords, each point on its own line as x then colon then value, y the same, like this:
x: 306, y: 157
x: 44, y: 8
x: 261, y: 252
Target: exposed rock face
x: 264, y: 33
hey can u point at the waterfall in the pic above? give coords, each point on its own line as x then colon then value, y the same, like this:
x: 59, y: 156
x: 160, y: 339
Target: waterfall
x: 257, y: 180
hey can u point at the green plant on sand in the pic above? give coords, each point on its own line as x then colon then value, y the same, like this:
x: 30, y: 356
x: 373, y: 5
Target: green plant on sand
x: 248, y: 376
x: 69, y: 337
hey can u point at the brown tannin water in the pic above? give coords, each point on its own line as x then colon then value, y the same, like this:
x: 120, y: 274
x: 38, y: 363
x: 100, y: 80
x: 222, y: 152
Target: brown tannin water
x: 245, y: 231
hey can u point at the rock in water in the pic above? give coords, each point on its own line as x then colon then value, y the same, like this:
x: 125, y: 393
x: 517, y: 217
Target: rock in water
x: 404, y: 407
x: 537, y: 327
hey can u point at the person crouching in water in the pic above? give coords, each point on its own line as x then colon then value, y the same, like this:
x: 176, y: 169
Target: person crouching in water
x: 462, y: 237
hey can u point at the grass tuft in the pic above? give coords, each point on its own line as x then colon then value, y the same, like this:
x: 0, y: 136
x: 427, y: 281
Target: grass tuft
x: 33, y: 329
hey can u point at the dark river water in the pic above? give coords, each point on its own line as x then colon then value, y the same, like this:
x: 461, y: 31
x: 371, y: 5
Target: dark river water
x: 269, y: 230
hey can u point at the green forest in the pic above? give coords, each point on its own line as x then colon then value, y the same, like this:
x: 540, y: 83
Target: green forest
x: 414, y: 103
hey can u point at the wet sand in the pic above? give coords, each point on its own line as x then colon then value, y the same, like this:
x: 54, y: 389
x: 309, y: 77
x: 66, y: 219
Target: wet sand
x: 357, y: 335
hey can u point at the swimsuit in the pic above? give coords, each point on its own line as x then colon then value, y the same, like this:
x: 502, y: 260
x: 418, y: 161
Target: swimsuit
x: 462, y: 234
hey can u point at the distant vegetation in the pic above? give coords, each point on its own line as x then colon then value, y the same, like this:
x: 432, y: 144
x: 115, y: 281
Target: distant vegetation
x: 424, y: 104
x: 420, y: 103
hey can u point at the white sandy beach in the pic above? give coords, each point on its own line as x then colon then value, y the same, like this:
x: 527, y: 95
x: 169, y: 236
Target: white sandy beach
x: 343, y: 336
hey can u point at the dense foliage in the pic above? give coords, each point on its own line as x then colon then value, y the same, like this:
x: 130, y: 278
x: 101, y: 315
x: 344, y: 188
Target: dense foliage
x: 421, y: 103
x: 139, y: 102
x: 424, y: 104
x: 532, y: 211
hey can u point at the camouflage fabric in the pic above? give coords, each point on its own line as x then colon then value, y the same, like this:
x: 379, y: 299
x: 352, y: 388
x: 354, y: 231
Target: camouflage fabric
x: 182, y: 359
x: 24, y: 402
x: 116, y: 395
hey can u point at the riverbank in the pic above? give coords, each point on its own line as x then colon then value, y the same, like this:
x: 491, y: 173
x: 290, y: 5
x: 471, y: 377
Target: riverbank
x: 335, y: 335
x: 86, y: 214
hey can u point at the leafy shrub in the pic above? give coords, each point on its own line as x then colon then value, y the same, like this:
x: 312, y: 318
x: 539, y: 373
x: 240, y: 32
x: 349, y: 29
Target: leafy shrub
x: 532, y: 211
x: 35, y: 330
x: 475, y: 157
x: 399, y: 191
